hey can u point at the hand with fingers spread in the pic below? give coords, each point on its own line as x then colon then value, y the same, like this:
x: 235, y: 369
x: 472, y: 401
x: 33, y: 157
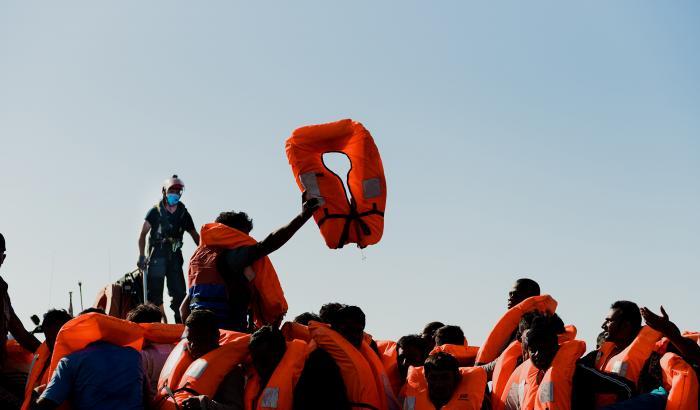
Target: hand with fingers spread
x: 659, y: 323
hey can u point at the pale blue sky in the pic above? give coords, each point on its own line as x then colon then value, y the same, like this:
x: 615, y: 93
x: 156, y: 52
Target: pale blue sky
x: 556, y: 140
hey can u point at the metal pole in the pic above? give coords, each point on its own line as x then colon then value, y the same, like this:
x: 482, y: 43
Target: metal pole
x: 70, y: 303
x: 80, y: 286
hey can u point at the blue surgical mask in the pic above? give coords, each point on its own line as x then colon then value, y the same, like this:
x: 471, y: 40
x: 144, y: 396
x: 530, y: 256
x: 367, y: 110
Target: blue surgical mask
x: 173, y: 199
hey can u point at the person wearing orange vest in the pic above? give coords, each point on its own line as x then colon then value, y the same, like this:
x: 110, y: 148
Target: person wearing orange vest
x: 153, y: 355
x: 220, y: 277
x: 276, y: 368
x: 321, y: 384
x: 54, y: 319
x: 428, y: 335
x: 442, y: 384
x: 202, y: 335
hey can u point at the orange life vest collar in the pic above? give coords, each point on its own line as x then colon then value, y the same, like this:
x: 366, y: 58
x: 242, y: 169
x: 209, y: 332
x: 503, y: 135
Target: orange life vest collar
x: 468, y: 395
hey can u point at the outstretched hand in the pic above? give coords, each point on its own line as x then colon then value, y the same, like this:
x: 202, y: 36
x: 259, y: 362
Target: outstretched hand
x: 659, y: 323
x: 309, y: 205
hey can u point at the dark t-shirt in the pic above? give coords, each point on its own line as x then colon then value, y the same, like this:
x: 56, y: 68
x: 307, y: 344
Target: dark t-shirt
x: 176, y: 223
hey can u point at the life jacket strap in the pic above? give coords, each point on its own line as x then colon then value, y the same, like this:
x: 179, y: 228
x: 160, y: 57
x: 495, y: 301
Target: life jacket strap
x: 362, y: 227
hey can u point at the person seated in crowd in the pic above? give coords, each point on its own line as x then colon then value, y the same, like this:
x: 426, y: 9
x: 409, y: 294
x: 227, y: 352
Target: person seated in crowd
x: 100, y: 376
x: 306, y: 317
x: 54, y: 319
x: 153, y: 355
x: 428, y: 335
x: 449, y: 335
x: 321, y: 384
x: 410, y: 351
x: 202, y: 334
x: 522, y: 289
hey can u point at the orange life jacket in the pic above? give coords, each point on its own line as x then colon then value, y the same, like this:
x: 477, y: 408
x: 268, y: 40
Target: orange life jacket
x: 177, y: 363
x: 681, y: 382
x: 388, y: 398
x: 79, y: 332
x: 388, y: 351
x: 268, y: 302
x: 359, y: 219
x: 500, y: 336
x: 165, y: 333
x: 629, y: 362
x: 279, y: 390
x: 506, y: 364
x: 38, y: 374
x: 18, y: 358
x: 569, y: 334
x: 553, y: 391
x: 293, y: 330
x: 465, y: 355
x: 469, y: 394
x: 358, y: 375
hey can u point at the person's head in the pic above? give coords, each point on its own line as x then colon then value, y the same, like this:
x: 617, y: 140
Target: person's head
x: 410, y: 351
x: 54, y: 319
x: 236, y: 220
x: 600, y: 340
x: 2, y: 249
x: 442, y: 374
x: 449, y: 335
x: 172, y: 190
x: 144, y: 313
x: 428, y: 334
x: 267, y: 347
x: 542, y: 341
x: 201, y: 332
x: 306, y: 317
x: 93, y: 310
x: 328, y: 310
x: 349, y: 321
x: 623, y: 322
x: 522, y: 289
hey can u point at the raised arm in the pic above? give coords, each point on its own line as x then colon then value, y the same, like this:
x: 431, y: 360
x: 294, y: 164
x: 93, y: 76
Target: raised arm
x: 689, y: 350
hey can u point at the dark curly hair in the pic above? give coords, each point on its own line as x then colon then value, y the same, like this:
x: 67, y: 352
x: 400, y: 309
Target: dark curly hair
x: 236, y: 220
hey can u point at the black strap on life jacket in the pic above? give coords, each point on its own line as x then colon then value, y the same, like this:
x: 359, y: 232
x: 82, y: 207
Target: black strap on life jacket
x: 361, y: 226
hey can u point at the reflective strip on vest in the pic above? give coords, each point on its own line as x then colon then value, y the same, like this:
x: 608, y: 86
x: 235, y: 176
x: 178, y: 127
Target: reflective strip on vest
x: 371, y: 188
x: 197, y: 368
x: 546, y: 392
x: 521, y: 390
x: 409, y: 403
x: 270, y: 398
x: 620, y: 368
x: 310, y: 184
x: 173, y: 358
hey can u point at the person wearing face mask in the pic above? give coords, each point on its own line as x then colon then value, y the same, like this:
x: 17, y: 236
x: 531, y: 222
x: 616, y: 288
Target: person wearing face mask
x: 166, y: 222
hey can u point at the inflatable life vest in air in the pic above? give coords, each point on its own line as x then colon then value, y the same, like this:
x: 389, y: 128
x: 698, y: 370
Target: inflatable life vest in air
x: 79, y: 332
x: 500, y: 336
x: 681, y: 382
x: 359, y: 219
x: 469, y: 394
x: 357, y: 373
x: 197, y: 377
x: 553, y: 390
x: 38, y: 374
x: 278, y: 393
x: 465, y: 355
x: 268, y: 302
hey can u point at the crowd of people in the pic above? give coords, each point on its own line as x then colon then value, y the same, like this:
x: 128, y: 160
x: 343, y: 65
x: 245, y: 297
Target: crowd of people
x: 230, y: 347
